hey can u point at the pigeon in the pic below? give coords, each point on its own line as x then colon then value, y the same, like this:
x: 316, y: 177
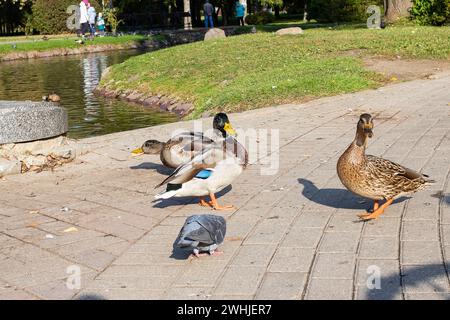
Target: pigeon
x: 45, y: 38
x: 202, y: 233
x: 14, y: 46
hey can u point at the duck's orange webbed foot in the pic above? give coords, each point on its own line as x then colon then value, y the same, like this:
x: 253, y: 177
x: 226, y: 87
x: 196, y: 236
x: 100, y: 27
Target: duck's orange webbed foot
x: 204, y: 203
x: 378, y: 210
x: 216, y: 205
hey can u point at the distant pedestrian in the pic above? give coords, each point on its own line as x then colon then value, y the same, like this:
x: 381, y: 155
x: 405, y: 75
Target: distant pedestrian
x: 101, y: 24
x: 208, y: 10
x: 92, y: 15
x: 240, y: 12
x: 84, y: 19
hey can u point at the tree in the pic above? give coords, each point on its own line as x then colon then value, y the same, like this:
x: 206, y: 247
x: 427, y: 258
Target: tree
x: 396, y: 9
x: 12, y: 15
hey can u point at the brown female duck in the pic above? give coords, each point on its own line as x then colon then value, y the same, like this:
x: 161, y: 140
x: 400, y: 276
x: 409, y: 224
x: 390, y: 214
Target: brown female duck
x: 373, y: 177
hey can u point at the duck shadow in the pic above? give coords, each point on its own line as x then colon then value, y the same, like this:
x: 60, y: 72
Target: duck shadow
x: 164, y: 203
x: 337, y: 198
x: 441, y: 195
x: 153, y: 166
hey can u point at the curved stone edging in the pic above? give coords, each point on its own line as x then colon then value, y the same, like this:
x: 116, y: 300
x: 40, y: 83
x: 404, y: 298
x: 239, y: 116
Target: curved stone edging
x: 170, y: 104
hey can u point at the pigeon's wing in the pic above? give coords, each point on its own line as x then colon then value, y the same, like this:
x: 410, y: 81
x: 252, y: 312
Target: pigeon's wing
x: 216, y: 226
x: 194, y: 233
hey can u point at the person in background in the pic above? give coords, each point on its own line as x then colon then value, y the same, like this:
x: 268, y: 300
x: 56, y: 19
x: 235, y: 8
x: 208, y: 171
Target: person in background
x: 101, y: 24
x: 92, y: 15
x: 208, y: 10
x: 84, y: 19
x: 240, y: 12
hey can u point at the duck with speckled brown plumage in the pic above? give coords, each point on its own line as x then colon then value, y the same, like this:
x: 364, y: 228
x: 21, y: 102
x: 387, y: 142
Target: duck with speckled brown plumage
x: 373, y: 177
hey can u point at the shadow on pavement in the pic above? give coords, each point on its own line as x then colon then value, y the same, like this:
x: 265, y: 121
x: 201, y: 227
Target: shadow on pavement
x: 413, y: 279
x: 337, y: 198
x: 153, y: 166
x: 180, y: 254
x: 90, y: 296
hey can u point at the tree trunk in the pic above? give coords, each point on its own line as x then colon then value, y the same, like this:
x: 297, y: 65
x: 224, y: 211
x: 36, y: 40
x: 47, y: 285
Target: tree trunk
x: 396, y: 9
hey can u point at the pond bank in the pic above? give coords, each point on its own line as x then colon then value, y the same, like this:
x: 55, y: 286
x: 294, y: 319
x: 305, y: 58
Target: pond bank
x: 63, y: 47
x: 262, y: 69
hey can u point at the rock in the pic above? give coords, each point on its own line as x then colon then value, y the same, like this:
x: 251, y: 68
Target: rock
x: 164, y: 105
x: 172, y: 107
x: 8, y: 167
x: 183, y: 108
x: 22, y: 121
x: 289, y: 31
x: 134, y: 96
x: 214, y: 33
x: 152, y: 101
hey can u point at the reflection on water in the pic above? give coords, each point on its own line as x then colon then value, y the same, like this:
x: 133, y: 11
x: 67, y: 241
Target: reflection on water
x: 74, y: 78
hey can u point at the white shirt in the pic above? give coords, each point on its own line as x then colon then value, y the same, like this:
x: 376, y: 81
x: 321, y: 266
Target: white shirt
x: 83, y: 13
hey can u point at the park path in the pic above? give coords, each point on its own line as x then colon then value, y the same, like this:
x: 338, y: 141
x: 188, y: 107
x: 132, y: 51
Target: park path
x: 294, y: 235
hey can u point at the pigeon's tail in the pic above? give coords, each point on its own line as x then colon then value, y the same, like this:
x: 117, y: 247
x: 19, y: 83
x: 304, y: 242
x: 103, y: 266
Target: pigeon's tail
x: 165, y: 194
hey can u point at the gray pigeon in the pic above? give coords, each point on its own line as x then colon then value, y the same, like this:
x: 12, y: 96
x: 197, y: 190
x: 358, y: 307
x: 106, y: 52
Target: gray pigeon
x: 202, y: 233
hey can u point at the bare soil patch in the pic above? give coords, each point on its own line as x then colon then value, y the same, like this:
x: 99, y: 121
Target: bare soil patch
x: 405, y: 69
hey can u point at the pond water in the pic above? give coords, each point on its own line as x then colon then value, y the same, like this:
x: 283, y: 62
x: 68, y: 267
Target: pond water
x: 74, y: 78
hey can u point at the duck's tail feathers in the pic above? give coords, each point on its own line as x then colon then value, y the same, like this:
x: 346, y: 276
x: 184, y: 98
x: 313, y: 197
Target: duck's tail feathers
x: 427, y: 179
x: 165, y: 194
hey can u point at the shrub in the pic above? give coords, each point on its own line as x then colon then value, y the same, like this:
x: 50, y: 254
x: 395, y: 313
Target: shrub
x: 50, y: 16
x: 339, y: 10
x: 431, y: 12
x: 262, y: 17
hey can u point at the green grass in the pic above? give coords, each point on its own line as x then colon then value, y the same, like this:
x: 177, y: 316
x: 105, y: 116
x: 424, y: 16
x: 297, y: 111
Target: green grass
x: 68, y: 43
x: 256, y: 70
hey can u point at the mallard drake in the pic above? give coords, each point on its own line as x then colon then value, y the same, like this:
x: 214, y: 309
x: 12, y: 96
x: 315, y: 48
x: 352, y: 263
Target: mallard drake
x: 185, y: 146
x: 373, y: 177
x: 208, y: 172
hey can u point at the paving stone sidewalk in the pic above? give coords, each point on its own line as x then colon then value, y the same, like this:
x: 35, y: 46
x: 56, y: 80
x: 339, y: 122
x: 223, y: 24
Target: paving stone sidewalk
x: 295, y: 234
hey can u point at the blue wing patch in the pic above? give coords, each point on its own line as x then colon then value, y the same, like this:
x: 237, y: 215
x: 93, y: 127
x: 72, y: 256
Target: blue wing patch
x: 204, y: 174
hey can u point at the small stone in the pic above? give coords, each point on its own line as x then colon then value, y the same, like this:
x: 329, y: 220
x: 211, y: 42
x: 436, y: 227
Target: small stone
x: 214, y: 33
x: 289, y: 31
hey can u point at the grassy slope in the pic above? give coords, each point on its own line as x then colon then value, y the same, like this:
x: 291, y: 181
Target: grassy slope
x: 261, y: 69
x: 58, y: 43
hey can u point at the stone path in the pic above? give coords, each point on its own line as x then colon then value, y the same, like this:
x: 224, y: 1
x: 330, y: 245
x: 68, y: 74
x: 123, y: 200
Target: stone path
x: 294, y: 235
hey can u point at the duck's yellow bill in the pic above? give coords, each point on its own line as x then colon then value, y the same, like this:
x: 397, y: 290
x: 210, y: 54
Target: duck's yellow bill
x: 229, y: 129
x: 137, y: 151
